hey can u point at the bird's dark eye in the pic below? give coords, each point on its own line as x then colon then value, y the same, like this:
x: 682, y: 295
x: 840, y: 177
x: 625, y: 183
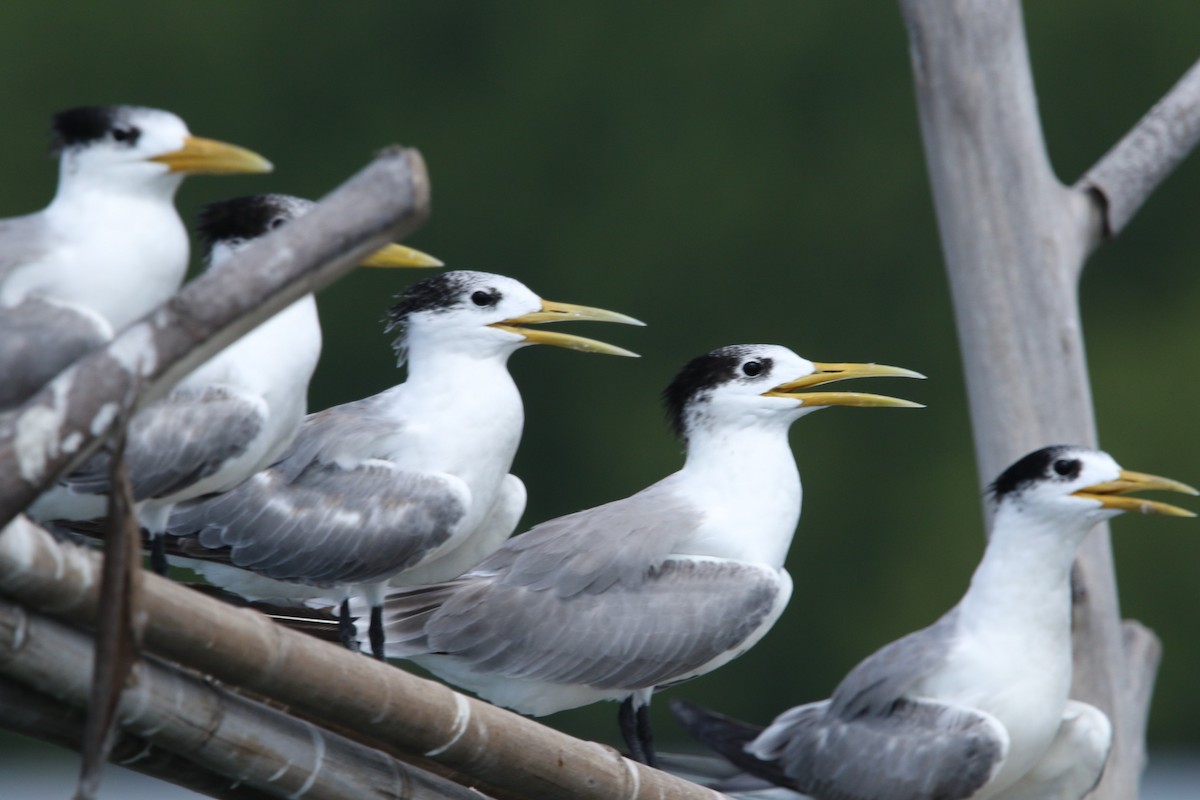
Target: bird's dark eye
x: 1067, y: 467
x: 276, y: 222
x: 124, y: 133
x: 752, y: 368
x: 482, y: 298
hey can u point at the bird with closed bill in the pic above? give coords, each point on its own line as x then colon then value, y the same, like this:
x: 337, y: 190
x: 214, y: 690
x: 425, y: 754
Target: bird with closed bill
x: 109, y: 248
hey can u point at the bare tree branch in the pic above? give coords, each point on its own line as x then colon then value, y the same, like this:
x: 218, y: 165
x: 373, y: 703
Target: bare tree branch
x: 60, y: 425
x: 31, y: 713
x: 1015, y: 240
x: 221, y: 731
x: 117, y: 640
x: 330, y: 684
x: 1126, y: 175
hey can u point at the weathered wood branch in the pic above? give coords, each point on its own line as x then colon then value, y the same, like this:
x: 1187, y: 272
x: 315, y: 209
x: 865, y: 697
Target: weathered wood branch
x: 221, y: 731
x: 1128, y: 173
x: 31, y: 713
x: 327, y: 683
x: 1015, y: 240
x: 60, y: 425
x: 117, y: 638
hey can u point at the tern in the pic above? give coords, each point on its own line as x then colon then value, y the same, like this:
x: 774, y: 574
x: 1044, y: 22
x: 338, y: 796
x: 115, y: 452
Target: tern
x: 974, y: 706
x: 110, y: 246
x: 391, y: 483
x: 233, y: 415
x: 644, y: 592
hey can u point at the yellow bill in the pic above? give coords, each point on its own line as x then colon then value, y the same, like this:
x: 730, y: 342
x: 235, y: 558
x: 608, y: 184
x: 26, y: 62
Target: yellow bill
x: 830, y: 372
x: 397, y: 255
x: 1112, y: 494
x: 552, y: 311
x: 210, y: 157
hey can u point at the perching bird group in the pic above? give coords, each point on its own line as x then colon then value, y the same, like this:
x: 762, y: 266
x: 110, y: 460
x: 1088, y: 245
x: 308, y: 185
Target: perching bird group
x: 399, y: 509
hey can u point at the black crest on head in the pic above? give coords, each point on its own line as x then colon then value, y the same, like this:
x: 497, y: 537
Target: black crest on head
x: 77, y: 126
x: 1034, y: 467
x: 703, y: 372
x: 242, y: 218
x: 439, y: 293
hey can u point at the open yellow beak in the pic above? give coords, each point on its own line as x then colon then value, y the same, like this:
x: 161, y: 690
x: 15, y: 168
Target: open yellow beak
x: 210, y: 157
x: 397, y: 255
x: 564, y: 312
x: 828, y: 373
x: 1111, y: 494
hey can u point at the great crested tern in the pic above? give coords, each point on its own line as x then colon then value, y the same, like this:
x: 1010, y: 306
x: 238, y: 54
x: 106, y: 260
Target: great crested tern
x: 389, y: 483
x: 233, y: 415
x: 110, y: 246
x: 641, y: 593
x: 976, y: 705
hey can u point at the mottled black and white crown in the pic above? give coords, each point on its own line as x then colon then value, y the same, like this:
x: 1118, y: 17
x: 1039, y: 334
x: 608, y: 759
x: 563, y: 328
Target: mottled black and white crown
x: 84, y: 126
x: 234, y: 222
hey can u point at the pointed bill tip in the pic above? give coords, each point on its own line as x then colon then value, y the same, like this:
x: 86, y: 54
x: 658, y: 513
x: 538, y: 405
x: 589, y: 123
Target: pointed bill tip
x: 211, y: 157
x: 567, y: 340
x: 398, y: 255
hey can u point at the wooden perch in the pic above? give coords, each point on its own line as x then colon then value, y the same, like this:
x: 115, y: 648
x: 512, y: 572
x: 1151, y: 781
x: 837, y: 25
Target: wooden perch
x: 64, y: 422
x: 1015, y: 240
x: 1124, y: 178
x: 31, y: 713
x: 219, y: 730
x: 327, y: 683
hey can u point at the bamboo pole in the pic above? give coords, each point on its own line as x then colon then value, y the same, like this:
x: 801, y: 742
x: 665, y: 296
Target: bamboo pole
x: 327, y: 683
x: 30, y: 713
x: 222, y: 732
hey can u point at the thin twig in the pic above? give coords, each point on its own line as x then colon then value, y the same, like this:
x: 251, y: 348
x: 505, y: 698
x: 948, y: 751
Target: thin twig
x: 117, y: 640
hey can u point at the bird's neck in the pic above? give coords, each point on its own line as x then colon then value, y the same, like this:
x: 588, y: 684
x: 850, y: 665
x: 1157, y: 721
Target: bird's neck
x: 453, y: 396
x: 747, y: 483
x: 88, y: 189
x: 1023, y: 582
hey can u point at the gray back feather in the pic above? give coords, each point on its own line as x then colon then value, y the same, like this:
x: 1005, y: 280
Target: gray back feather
x: 919, y: 750
x: 589, y: 599
x: 588, y: 552
x: 178, y: 441
x: 881, y: 679
x: 38, y: 340
x: 308, y: 520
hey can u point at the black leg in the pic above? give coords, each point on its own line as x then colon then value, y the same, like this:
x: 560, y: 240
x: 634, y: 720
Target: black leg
x: 346, y: 631
x: 158, y: 555
x: 635, y: 729
x: 645, y: 734
x: 376, y: 633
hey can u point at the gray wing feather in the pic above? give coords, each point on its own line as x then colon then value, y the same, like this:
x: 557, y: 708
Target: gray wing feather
x: 178, y: 441
x: 880, y: 680
x: 921, y: 749
x: 679, y: 617
x: 38, y: 340
x: 315, y: 522
x: 589, y: 552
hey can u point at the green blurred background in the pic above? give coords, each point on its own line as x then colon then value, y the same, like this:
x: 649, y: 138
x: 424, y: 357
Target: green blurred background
x: 728, y: 172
